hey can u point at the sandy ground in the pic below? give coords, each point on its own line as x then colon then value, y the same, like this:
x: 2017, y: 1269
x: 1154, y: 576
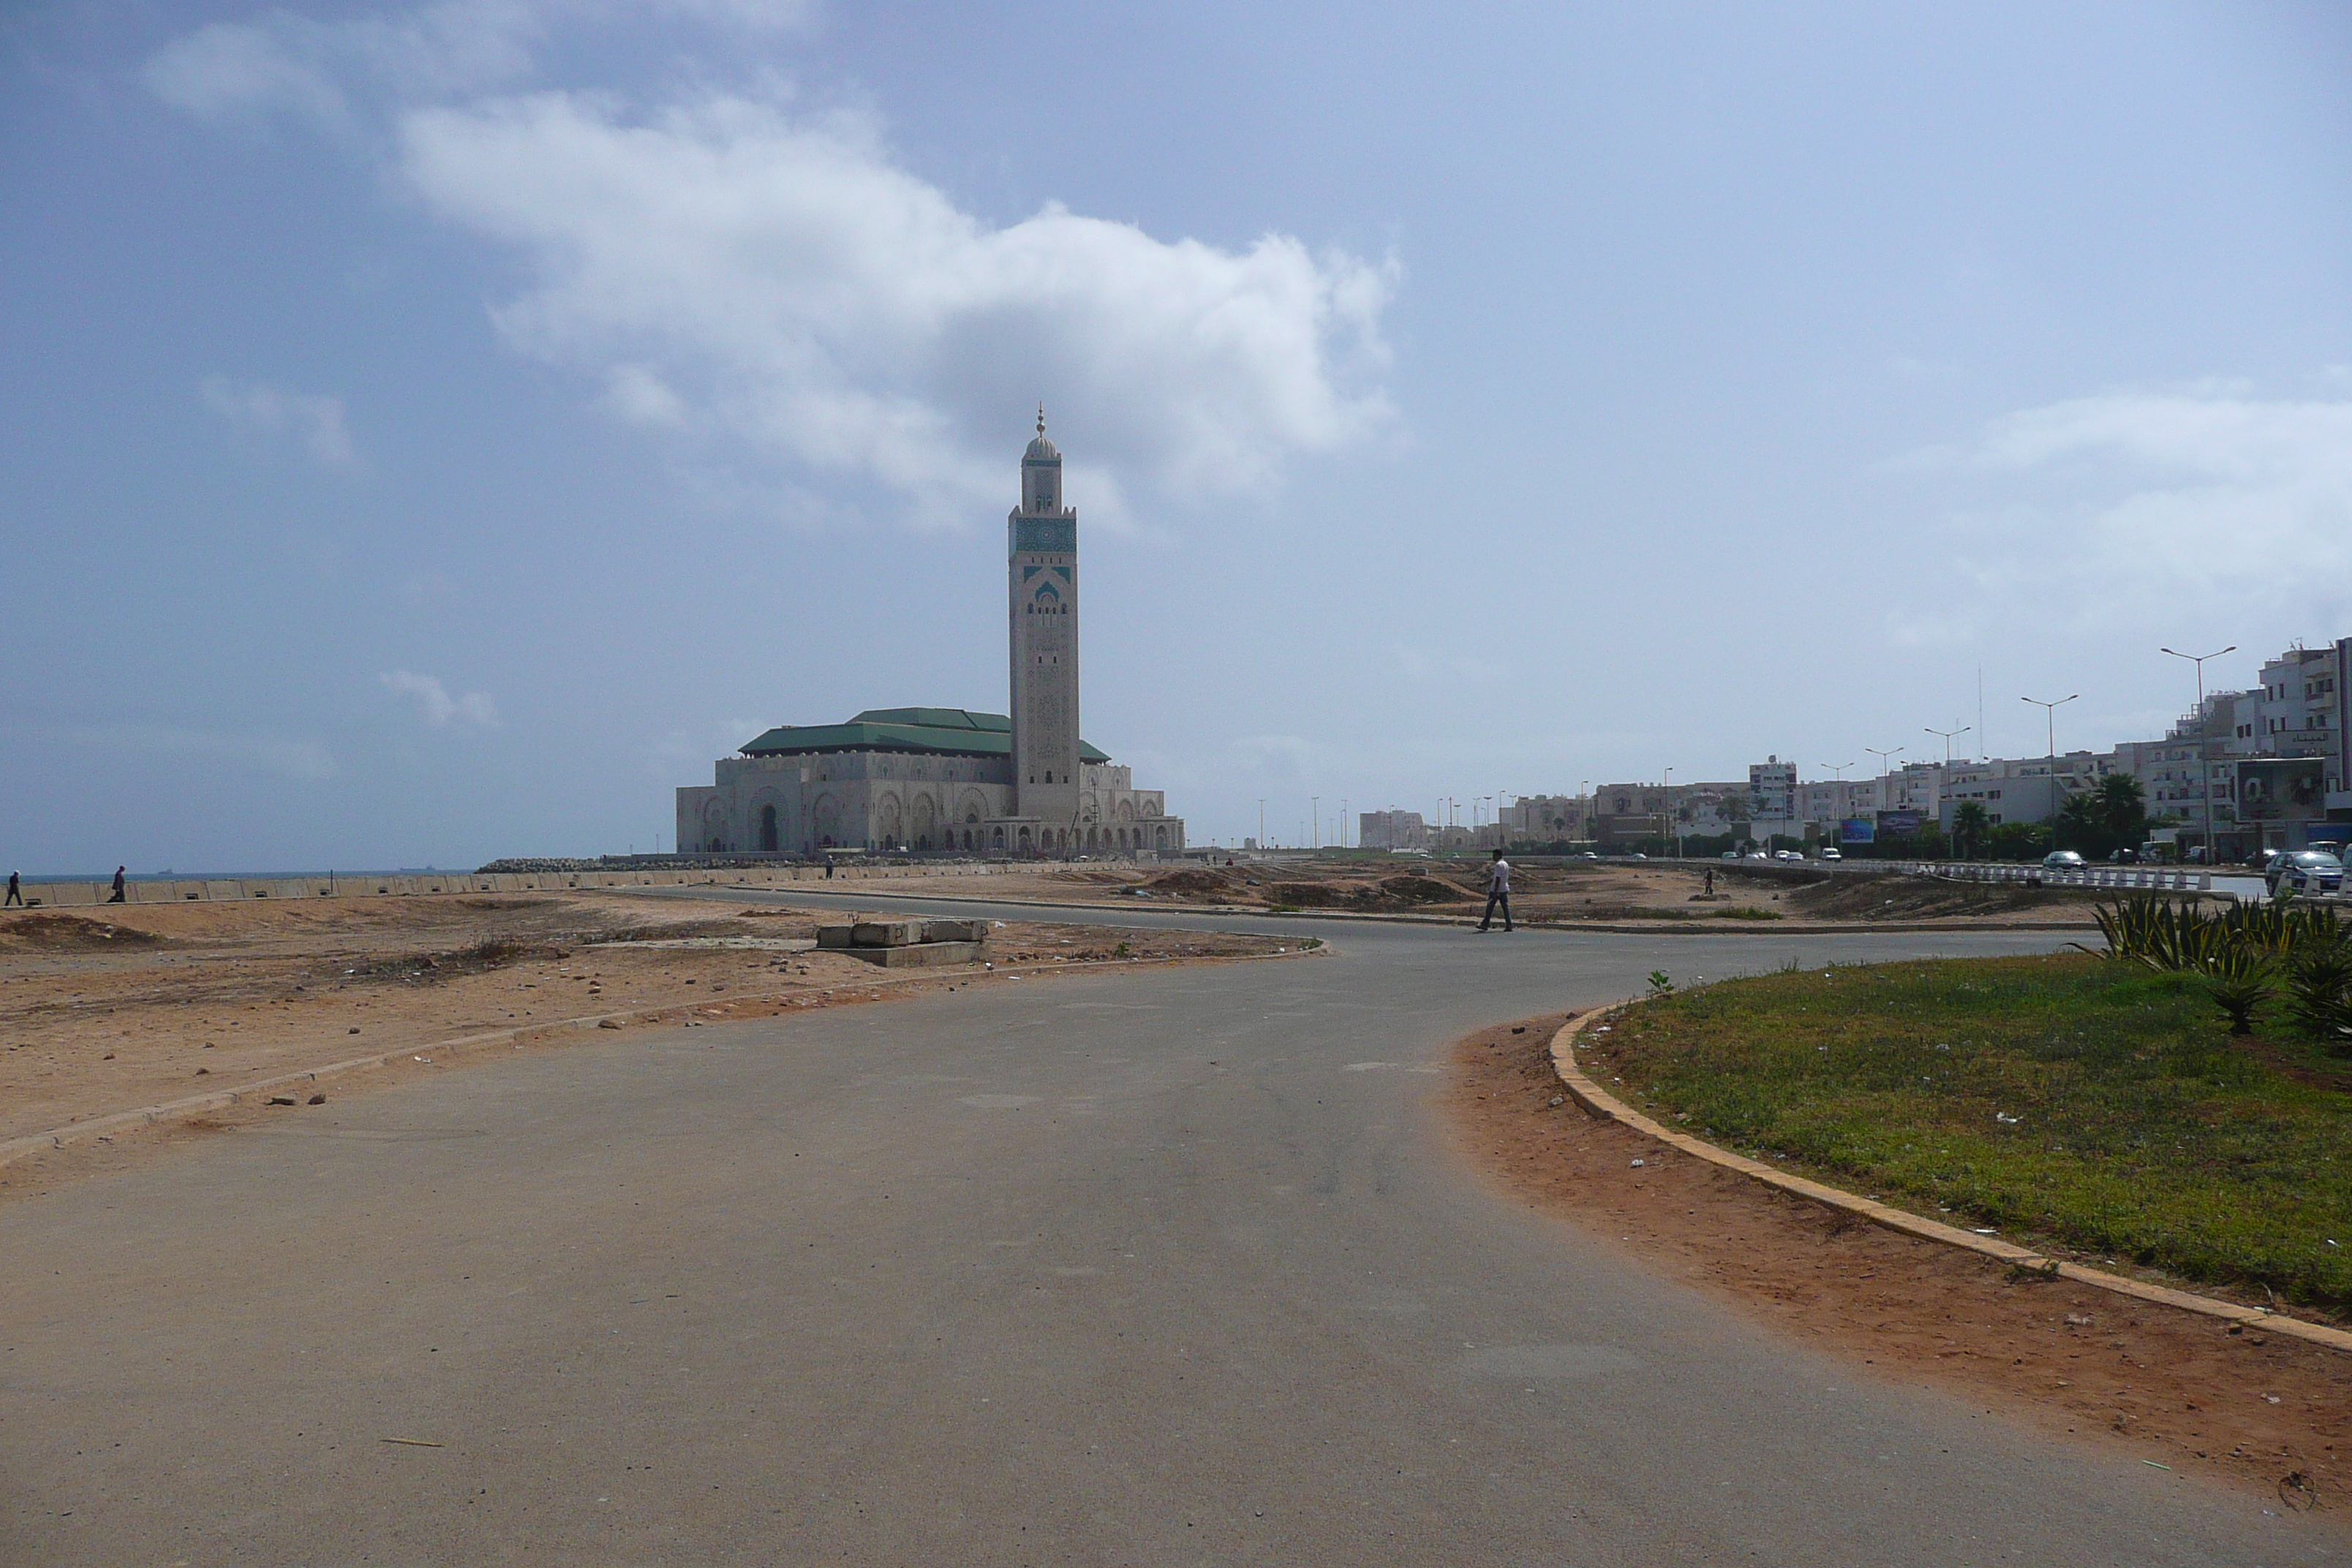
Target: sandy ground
x: 108, y: 1010
x: 1544, y: 894
x: 2166, y: 1387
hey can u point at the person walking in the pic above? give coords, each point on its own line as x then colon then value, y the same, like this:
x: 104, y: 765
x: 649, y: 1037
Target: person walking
x: 15, y: 890
x: 117, y: 897
x: 1498, y: 892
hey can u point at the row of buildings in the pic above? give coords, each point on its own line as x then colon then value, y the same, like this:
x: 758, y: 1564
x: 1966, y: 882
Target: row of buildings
x: 2267, y: 767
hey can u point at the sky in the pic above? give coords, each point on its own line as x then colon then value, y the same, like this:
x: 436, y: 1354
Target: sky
x: 433, y: 432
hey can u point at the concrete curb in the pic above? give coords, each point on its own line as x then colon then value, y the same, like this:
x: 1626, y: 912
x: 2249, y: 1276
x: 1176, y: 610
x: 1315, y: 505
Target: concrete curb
x: 25, y: 1145
x: 1601, y: 1102
x: 1700, y: 927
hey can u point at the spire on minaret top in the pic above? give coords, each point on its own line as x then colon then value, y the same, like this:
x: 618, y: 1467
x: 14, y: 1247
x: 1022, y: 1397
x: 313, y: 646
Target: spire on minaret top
x: 1041, y: 449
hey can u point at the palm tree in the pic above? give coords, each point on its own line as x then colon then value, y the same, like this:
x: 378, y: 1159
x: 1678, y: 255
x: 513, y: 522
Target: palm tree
x: 1969, y: 822
x: 2079, y: 825
x: 2123, y: 807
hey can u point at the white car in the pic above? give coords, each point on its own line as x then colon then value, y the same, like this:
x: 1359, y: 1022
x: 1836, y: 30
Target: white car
x: 1831, y: 852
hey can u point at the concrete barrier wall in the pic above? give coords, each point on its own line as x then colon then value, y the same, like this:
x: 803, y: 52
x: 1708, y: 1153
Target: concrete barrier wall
x: 81, y: 895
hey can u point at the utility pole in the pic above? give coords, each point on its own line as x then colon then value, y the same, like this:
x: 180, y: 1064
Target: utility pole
x: 1261, y: 822
x: 1316, y: 809
x: 2204, y: 751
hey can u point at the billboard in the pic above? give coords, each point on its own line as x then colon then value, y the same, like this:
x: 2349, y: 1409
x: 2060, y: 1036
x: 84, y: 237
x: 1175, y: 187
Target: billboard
x: 1857, y: 830
x: 2269, y: 788
x: 1898, y: 824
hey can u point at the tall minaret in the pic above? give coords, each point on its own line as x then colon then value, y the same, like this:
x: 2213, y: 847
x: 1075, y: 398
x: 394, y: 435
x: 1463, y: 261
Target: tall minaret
x: 1042, y: 579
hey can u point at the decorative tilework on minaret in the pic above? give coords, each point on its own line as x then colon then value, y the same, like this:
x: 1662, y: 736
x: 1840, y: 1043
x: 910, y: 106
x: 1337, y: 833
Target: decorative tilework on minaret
x: 1043, y: 583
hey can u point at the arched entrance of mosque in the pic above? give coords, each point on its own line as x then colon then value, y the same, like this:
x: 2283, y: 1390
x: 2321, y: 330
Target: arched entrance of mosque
x: 1024, y: 841
x: 1160, y: 839
x: 1000, y: 838
x: 768, y: 827
x: 887, y: 820
x: 828, y: 819
x: 922, y: 816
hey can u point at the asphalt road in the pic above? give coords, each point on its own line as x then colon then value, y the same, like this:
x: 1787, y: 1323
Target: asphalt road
x: 1169, y: 1267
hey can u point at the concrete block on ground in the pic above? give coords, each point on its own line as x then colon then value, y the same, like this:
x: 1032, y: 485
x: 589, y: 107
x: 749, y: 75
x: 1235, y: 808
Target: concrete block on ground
x: 955, y: 931
x: 834, y: 936
x: 886, y: 933
x: 922, y: 956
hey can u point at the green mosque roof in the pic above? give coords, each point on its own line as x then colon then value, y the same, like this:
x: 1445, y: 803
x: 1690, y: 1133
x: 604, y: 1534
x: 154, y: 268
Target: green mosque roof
x: 935, y: 732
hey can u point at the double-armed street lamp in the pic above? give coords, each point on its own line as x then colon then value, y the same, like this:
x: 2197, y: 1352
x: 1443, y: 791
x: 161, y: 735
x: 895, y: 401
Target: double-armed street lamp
x: 2050, y: 718
x: 1947, y: 735
x: 2204, y: 751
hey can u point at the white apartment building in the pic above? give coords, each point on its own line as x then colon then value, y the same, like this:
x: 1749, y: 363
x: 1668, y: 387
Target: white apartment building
x: 1549, y: 818
x: 1391, y: 830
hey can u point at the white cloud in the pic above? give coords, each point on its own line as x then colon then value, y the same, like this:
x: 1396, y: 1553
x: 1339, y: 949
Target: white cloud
x: 302, y: 760
x: 782, y: 285
x: 289, y: 64
x: 435, y: 706
x: 2206, y: 502
x: 316, y: 421
x: 1421, y: 667
x: 805, y: 317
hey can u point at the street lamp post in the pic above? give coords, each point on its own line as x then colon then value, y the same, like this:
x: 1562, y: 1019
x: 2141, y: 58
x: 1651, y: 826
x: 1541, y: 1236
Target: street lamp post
x: 1665, y: 808
x: 1837, y: 776
x: 1947, y: 735
x: 1316, y: 811
x: 2204, y: 751
x: 1885, y: 763
x: 2050, y: 718
x: 1945, y: 782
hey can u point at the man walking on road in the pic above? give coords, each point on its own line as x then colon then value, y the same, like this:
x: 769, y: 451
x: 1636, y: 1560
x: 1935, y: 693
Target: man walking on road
x: 1498, y: 891
x: 15, y: 890
x: 117, y: 886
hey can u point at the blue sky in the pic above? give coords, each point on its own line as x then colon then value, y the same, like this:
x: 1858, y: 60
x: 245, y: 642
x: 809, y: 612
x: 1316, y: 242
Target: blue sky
x: 434, y: 432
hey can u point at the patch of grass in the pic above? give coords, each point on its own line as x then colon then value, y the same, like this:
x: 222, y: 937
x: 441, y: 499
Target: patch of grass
x: 2093, y: 1103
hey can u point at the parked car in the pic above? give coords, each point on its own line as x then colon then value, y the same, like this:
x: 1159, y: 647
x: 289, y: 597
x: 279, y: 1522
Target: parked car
x: 1831, y: 852
x: 1786, y: 855
x: 2305, y: 871
x: 1731, y: 854
x: 2065, y: 860
x: 2124, y: 855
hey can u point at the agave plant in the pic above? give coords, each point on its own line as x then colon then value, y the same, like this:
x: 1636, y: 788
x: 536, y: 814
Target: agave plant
x: 2144, y: 928
x: 2239, y: 976
x: 2319, y: 986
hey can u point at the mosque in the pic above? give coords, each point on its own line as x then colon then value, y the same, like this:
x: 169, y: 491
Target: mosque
x: 942, y: 778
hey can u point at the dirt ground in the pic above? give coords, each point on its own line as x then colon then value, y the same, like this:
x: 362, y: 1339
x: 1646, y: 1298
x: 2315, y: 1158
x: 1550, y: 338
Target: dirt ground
x: 1547, y: 894
x: 2167, y: 1387
x: 113, y: 1009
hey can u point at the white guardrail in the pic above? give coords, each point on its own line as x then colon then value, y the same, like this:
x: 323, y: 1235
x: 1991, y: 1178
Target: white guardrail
x: 2149, y: 877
